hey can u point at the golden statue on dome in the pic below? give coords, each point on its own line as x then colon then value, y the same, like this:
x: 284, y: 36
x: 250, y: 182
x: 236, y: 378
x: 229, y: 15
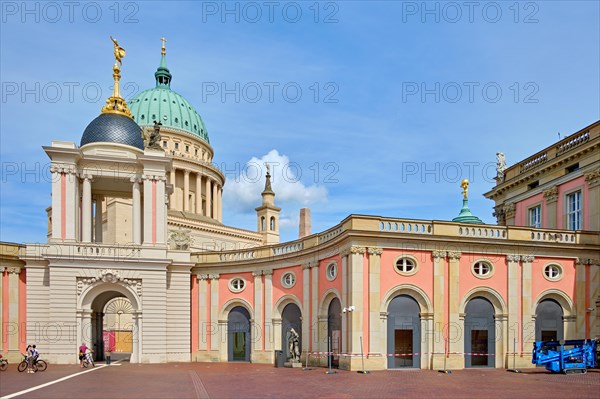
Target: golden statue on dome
x: 119, y: 51
x: 465, y: 186
x: 116, y: 104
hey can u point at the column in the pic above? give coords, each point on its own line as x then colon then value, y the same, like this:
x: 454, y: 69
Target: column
x: 199, y: 210
x: 149, y: 205
x: 160, y: 224
x: 258, y: 316
x: 514, y: 295
x: 136, y: 318
x: 57, y: 200
x: 186, y: 190
x: 437, y: 334
x: 355, y: 288
x: 307, y: 329
x: 527, y: 320
x: 455, y: 325
x: 215, y: 341
x: 136, y: 212
x: 376, y: 342
x: 207, y: 194
x: 344, y: 299
x: 593, y: 181
x: 314, y: 305
x: 86, y: 209
x: 12, y: 324
x: 203, y: 312
x: 220, y: 198
x: 551, y: 197
x: 268, y: 306
x: 215, y: 189
x: 98, y: 221
x: 580, y: 300
x: 173, y: 196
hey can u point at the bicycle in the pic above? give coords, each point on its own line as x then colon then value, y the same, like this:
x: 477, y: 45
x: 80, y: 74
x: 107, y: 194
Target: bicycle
x: 3, y: 363
x: 87, y: 359
x: 37, y: 365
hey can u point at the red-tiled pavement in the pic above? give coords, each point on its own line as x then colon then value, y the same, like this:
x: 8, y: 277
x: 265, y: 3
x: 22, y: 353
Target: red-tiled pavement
x: 228, y: 380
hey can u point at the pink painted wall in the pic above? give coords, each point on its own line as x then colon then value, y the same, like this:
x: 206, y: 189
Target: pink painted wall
x: 521, y: 210
x: 541, y: 284
x: 247, y: 294
x: 325, y: 284
x: 279, y: 290
x: 561, y: 211
x: 498, y: 281
x: 423, y: 278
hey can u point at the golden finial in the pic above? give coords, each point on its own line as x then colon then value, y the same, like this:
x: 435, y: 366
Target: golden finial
x: 115, y: 104
x: 465, y: 186
x: 163, y: 49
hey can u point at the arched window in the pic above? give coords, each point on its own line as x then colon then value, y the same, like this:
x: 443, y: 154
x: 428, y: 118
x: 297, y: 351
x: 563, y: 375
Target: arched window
x: 263, y: 222
x: 272, y: 223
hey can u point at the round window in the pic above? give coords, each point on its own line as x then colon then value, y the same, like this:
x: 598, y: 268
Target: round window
x: 406, y: 265
x: 288, y: 280
x: 553, y: 272
x: 331, y: 271
x: 237, y: 284
x: 482, y: 269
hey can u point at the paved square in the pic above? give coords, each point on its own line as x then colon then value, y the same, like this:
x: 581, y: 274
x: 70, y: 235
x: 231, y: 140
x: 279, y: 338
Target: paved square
x: 243, y: 380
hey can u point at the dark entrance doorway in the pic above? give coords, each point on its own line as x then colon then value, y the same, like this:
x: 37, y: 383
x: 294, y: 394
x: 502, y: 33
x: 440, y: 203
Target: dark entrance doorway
x: 480, y: 333
x: 334, y: 330
x: 549, y: 321
x: 403, y: 332
x: 290, y: 320
x: 238, y: 335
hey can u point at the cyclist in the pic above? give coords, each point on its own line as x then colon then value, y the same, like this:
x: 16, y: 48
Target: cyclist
x: 34, y: 354
x: 82, y: 351
x: 29, y: 359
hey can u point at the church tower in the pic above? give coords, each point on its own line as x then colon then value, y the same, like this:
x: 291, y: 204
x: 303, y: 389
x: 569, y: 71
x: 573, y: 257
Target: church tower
x: 268, y: 214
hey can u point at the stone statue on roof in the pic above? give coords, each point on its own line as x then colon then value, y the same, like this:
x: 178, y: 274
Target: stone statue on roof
x: 500, y: 166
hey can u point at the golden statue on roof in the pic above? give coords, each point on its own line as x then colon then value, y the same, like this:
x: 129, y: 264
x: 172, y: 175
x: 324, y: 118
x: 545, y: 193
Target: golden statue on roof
x: 465, y: 186
x: 119, y: 52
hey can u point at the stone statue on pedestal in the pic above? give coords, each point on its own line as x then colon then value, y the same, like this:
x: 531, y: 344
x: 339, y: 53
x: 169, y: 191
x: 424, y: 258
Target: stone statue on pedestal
x: 293, y: 340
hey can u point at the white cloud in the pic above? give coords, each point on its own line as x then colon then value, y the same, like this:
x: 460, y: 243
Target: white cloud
x: 242, y: 194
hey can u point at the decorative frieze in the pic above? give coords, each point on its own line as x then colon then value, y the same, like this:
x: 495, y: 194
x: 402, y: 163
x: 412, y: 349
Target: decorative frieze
x: 109, y: 276
x: 180, y: 239
x: 593, y: 178
x: 509, y: 211
x: 551, y: 194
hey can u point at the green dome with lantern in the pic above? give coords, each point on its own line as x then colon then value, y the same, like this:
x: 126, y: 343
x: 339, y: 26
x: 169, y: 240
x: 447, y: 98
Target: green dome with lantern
x: 166, y: 106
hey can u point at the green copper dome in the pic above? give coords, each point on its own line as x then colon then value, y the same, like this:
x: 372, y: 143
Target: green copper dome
x: 170, y: 108
x: 465, y: 215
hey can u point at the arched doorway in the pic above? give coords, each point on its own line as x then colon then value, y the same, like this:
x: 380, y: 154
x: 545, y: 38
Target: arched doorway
x: 334, y: 330
x: 403, y: 332
x: 117, y: 327
x: 480, y: 333
x: 238, y: 335
x: 291, y: 320
x: 549, y: 321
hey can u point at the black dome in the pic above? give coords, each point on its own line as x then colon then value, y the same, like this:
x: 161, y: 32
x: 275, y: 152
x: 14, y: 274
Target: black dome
x: 113, y: 128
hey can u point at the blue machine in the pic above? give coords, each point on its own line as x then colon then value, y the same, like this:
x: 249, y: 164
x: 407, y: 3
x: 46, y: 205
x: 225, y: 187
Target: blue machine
x: 574, y: 356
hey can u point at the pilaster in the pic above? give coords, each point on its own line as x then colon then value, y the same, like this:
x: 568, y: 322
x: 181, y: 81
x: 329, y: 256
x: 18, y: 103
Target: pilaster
x: 551, y: 198
x: 456, y: 344
x: 257, y: 336
x: 203, y: 311
x: 593, y: 182
x: 306, y: 301
x: 527, y: 321
x: 376, y: 343
x: 268, y: 332
x: 215, y: 341
x: 514, y: 302
x: 439, y: 344
x: 355, y: 272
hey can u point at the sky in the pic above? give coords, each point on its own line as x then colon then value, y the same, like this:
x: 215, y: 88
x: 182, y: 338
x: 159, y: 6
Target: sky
x: 362, y: 107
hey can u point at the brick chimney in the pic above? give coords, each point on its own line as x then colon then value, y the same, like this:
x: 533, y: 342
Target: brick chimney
x: 304, y: 222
